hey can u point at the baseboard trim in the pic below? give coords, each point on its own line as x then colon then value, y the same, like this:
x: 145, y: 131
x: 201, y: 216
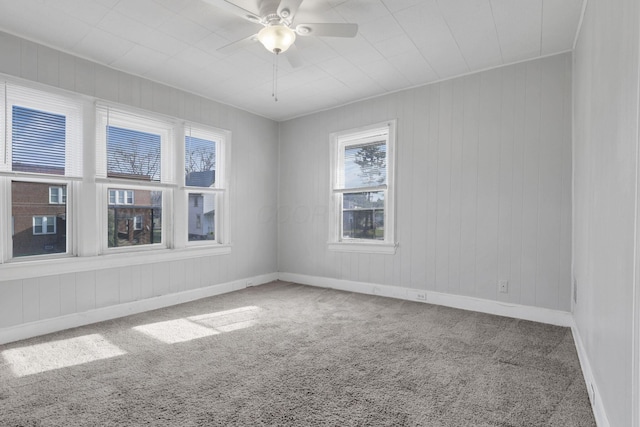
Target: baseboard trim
x: 46, y: 326
x: 592, y: 388
x: 517, y: 311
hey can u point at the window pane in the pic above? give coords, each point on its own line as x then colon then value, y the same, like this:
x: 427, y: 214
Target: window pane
x: 133, y: 154
x: 38, y: 141
x: 201, y: 216
x: 123, y: 227
x: 53, y: 194
x: 38, y: 226
x: 363, y: 215
x: 365, y: 165
x: 51, y: 224
x: 199, y: 162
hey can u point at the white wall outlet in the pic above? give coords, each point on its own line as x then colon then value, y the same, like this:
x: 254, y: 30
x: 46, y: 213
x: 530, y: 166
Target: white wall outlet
x: 417, y: 295
x: 503, y: 286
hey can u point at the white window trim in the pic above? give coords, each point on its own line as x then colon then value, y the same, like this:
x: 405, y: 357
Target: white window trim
x: 44, y: 225
x: 137, y: 222
x: 338, y: 141
x: 220, y: 189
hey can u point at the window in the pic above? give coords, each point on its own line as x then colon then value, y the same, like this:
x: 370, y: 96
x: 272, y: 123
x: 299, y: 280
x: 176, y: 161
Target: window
x: 121, y: 197
x: 57, y: 195
x: 135, y: 151
x: 362, y: 163
x: 204, y: 182
x: 41, y: 157
x: 44, y: 225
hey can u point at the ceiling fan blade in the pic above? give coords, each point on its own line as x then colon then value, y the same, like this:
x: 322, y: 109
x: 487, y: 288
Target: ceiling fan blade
x: 235, y: 9
x: 293, y: 56
x: 287, y: 9
x: 327, y: 30
x: 238, y: 44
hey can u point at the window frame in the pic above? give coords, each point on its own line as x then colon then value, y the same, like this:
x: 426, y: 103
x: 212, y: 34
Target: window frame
x: 219, y: 190
x: 148, y: 122
x: 50, y: 100
x: 339, y: 141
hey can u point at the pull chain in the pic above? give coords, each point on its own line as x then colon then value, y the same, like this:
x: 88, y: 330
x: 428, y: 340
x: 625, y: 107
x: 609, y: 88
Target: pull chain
x: 274, y: 88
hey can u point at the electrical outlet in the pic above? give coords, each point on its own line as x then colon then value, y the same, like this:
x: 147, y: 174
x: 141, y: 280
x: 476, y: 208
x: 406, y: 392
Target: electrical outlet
x: 249, y: 283
x: 417, y: 295
x: 503, y: 286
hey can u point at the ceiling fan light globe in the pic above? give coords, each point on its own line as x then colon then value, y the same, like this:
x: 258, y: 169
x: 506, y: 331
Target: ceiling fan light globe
x: 277, y: 38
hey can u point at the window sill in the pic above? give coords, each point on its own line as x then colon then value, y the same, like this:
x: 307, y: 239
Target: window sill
x: 361, y: 247
x: 24, y: 269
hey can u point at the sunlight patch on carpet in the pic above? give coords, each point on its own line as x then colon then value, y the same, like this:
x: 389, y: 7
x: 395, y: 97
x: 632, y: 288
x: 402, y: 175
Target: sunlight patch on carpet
x: 38, y: 358
x: 175, y: 331
x: 201, y: 326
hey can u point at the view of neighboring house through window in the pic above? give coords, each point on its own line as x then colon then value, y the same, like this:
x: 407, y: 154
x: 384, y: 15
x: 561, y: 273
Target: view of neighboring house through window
x: 362, y: 185
x: 131, y: 224
x: 39, y: 224
x: 200, y: 171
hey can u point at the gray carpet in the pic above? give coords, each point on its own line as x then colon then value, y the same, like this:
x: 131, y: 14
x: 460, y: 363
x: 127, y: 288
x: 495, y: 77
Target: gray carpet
x: 291, y: 355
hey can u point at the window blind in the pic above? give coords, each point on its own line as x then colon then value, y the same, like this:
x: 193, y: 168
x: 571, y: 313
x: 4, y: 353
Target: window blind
x: 38, y: 141
x: 131, y: 145
x: 44, y: 132
x: 133, y: 154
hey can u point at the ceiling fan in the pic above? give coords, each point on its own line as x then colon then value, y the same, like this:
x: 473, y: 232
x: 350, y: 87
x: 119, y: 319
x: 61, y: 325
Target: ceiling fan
x: 279, y: 32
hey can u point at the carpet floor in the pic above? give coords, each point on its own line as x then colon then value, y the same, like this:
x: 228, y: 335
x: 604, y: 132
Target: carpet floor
x: 283, y: 354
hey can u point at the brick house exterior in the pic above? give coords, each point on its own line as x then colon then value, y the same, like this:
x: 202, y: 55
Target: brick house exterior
x: 135, y: 223
x: 31, y: 200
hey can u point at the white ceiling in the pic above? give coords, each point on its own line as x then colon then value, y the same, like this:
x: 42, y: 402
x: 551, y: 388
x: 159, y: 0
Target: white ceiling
x: 400, y: 44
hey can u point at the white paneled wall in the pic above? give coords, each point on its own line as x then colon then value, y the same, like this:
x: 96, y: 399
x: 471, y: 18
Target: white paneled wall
x: 606, y: 215
x: 483, y: 188
x: 28, y: 296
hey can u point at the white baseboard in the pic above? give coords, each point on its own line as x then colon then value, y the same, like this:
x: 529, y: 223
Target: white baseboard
x: 41, y: 327
x: 517, y: 311
x: 592, y: 387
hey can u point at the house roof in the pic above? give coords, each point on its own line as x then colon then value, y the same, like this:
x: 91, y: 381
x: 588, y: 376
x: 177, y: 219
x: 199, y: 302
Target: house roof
x: 200, y: 179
